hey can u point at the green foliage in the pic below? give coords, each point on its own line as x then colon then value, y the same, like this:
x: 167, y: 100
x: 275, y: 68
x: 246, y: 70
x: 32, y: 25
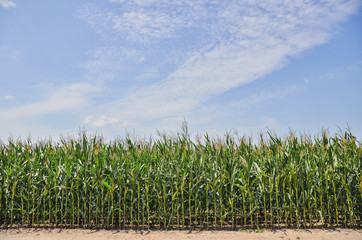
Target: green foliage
x: 174, y: 182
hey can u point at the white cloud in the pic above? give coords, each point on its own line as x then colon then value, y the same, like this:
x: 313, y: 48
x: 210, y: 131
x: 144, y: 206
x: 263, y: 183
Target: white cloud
x: 147, y: 21
x: 269, y: 122
x: 106, y: 62
x: 116, y: 1
x: 100, y: 121
x: 9, y: 97
x: 143, y: 25
x: 7, y: 4
x: 262, y: 96
x: 236, y: 42
x: 14, y: 55
x: 72, y: 98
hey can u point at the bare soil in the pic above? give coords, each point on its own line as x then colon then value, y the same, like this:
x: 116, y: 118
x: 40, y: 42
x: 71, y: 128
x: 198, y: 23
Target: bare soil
x: 87, y: 234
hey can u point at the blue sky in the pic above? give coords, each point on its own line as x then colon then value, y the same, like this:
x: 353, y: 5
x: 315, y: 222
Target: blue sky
x: 142, y: 65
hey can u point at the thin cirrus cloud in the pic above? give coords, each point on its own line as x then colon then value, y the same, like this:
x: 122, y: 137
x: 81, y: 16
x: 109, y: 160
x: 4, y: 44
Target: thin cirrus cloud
x: 146, y: 22
x: 61, y: 100
x: 7, y: 4
x: 235, y: 42
x: 9, y: 97
x: 11, y: 54
x: 100, y: 121
x: 162, y: 60
x: 136, y: 25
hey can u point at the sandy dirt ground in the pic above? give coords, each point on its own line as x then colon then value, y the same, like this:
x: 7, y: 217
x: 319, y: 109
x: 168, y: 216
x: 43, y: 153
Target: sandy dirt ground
x: 81, y: 234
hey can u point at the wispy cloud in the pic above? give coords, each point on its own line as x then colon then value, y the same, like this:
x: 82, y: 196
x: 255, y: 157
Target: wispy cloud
x: 244, y: 42
x: 100, y: 121
x: 134, y: 23
x: 146, y: 22
x: 11, y: 54
x: 7, y: 3
x: 72, y: 98
x: 192, y: 50
x: 9, y: 97
x: 15, y: 55
x: 107, y: 62
x: 67, y: 98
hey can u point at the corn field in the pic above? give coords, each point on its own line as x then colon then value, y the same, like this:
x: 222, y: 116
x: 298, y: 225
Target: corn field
x: 174, y: 182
